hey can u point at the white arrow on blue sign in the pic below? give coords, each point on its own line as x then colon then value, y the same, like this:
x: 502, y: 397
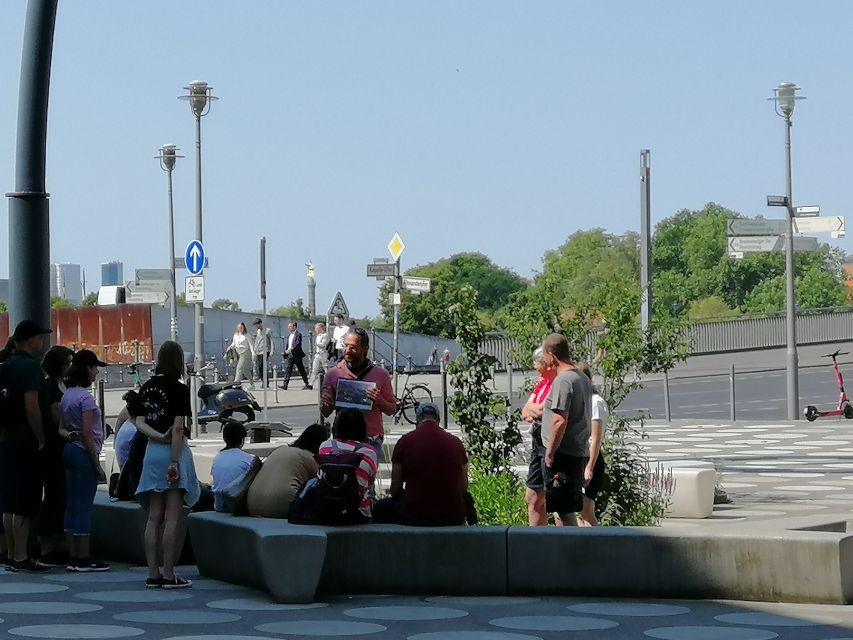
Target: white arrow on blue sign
x: 194, y: 257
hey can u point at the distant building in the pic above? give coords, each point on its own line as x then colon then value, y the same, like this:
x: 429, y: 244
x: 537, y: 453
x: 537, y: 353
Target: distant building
x: 112, y: 273
x: 66, y: 282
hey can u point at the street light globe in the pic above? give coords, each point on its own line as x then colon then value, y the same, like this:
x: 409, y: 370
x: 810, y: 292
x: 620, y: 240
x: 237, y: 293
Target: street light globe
x: 200, y: 97
x: 785, y: 96
x: 167, y: 155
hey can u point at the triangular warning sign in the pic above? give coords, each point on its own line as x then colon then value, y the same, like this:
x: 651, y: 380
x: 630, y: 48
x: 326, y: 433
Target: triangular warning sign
x: 339, y: 306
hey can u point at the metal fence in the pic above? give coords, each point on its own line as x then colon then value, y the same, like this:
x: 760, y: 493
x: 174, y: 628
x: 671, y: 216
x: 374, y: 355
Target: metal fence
x: 730, y: 335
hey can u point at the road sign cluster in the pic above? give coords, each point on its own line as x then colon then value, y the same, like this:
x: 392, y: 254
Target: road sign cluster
x: 766, y: 236
x: 194, y: 260
x: 380, y: 269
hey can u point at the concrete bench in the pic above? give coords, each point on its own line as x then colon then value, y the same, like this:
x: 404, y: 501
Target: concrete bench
x: 294, y: 563
x: 118, y: 529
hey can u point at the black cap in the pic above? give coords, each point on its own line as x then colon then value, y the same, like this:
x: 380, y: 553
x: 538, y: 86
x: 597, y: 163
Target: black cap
x: 258, y: 321
x: 27, y: 329
x: 86, y: 358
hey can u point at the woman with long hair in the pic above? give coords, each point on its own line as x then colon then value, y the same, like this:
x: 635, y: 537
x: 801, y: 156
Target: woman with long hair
x: 241, y: 347
x: 168, y: 479
x: 81, y: 417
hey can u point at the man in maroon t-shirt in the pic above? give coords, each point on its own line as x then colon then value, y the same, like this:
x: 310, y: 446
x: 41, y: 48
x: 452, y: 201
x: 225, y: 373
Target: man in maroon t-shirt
x: 429, y: 476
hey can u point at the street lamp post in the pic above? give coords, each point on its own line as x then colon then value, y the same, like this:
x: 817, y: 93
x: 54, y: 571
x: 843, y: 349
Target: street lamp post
x: 167, y: 163
x: 784, y: 98
x: 200, y: 96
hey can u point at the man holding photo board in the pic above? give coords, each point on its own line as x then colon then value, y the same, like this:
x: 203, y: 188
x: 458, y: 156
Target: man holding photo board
x: 372, y: 395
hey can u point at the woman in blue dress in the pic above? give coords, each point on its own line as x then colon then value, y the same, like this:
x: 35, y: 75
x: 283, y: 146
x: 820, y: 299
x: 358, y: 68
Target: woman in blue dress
x: 168, y: 479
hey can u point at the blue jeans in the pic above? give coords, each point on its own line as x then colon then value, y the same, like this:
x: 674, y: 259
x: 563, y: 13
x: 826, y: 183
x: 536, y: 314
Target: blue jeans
x: 81, y: 483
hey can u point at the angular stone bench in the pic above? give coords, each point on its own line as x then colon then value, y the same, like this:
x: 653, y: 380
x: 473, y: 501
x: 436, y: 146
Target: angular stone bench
x: 294, y: 563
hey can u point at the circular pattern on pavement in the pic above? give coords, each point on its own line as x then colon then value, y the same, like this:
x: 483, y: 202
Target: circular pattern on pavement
x: 472, y: 635
x: 76, y: 631
x: 710, y: 633
x: 258, y: 604
x: 177, y: 616
x: 21, y: 588
x: 140, y: 595
x: 47, y: 608
x: 405, y: 613
x: 322, y: 628
x: 774, y: 620
x: 489, y: 601
x: 637, y: 609
x: 217, y: 637
x: 98, y: 577
x: 553, y: 623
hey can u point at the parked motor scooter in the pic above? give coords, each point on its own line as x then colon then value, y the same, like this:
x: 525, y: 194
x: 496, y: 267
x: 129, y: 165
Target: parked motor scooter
x: 844, y: 407
x: 226, y: 401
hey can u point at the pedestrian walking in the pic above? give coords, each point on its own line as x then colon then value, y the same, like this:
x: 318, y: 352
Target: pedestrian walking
x: 320, y: 361
x: 262, y: 346
x: 594, y: 473
x: 244, y: 351
x: 338, y: 334
x: 531, y: 413
x: 293, y: 356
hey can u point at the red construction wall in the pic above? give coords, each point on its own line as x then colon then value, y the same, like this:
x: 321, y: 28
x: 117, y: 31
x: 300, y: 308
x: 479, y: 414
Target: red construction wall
x: 118, y: 334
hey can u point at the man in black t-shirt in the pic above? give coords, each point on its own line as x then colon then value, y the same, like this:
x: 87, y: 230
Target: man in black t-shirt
x: 22, y: 437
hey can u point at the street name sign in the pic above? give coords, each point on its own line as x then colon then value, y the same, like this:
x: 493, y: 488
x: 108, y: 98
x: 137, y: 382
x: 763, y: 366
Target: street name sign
x: 338, y: 306
x: 194, y: 257
x: 827, y: 224
x: 806, y: 212
x: 380, y: 270
x: 146, y: 297
x: 421, y: 285
x: 153, y: 274
x: 767, y: 244
x: 396, y: 247
x: 758, y: 227
x: 194, y: 291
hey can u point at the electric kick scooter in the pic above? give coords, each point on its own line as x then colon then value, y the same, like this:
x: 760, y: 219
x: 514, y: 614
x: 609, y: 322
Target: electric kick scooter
x: 844, y: 407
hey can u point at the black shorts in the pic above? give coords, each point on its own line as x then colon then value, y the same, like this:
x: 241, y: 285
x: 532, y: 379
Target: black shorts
x: 564, y: 484
x: 536, y: 469
x: 20, y: 479
x: 595, y: 485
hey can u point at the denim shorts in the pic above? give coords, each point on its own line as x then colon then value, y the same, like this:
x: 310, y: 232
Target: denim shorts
x: 536, y: 468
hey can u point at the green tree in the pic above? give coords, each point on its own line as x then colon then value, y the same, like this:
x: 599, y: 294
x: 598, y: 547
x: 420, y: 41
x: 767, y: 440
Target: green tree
x: 3, y: 307
x: 295, y: 309
x: 56, y: 302
x: 90, y: 300
x: 226, y: 304
x: 427, y: 312
x: 182, y: 299
x: 710, y: 307
x: 815, y: 289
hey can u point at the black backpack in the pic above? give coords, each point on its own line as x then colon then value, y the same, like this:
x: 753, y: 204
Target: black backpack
x: 330, y: 348
x: 337, y: 496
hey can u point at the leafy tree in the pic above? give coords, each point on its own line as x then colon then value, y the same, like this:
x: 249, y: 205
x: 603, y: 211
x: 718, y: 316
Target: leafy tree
x: 710, y: 307
x: 816, y: 289
x: 4, y: 308
x: 226, y: 304
x: 90, y: 300
x: 295, y: 309
x: 427, y: 312
x: 181, y: 299
x: 56, y: 302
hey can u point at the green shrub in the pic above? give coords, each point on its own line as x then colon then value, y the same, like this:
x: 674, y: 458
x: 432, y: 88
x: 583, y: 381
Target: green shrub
x: 499, y: 498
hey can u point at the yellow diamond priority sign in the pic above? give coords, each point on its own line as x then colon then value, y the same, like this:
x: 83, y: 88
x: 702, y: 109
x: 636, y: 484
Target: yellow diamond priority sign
x: 396, y: 247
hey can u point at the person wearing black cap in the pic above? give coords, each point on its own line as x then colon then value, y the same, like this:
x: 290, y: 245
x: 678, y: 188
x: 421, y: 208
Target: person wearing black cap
x: 429, y: 476
x: 21, y: 440
x: 83, y: 420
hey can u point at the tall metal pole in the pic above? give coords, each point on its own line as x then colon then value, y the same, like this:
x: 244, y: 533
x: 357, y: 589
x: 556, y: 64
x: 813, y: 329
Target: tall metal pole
x: 199, y: 306
x: 645, y: 238
x: 396, y: 302
x: 793, y: 383
x: 29, y: 210
x: 173, y: 294
x: 265, y: 375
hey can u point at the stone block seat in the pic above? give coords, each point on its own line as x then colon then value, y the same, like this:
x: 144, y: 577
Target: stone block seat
x: 294, y: 563
x: 693, y: 488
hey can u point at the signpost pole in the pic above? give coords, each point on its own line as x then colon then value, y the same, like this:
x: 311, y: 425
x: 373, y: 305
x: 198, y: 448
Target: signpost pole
x: 264, y: 301
x: 396, y: 302
x: 793, y: 383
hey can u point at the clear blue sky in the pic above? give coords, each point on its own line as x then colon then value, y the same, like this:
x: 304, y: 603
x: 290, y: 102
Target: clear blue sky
x: 499, y: 127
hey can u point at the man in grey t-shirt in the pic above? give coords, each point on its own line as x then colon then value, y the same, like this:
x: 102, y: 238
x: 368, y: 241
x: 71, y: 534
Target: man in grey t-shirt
x: 565, y: 431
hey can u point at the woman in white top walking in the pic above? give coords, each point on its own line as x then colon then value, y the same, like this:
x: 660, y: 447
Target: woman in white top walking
x: 241, y: 347
x: 595, y: 469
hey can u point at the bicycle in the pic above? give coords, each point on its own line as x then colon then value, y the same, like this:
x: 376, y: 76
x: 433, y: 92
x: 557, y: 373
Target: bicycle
x: 133, y: 369
x: 412, y: 396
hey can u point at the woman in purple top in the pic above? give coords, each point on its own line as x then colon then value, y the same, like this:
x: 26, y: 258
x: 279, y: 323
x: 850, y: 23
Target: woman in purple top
x: 82, y: 419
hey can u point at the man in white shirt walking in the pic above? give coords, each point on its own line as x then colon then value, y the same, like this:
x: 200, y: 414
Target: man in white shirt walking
x: 338, y: 335
x: 321, y: 351
x: 263, y: 345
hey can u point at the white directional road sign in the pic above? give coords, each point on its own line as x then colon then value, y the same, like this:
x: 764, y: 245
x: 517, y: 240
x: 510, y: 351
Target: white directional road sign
x: 806, y: 212
x: 194, y: 257
x: 758, y: 227
x: 380, y: 270
x: 146, y: 297
x: 826, y: 224
x: 339, y: 306
x: 153, y: 274
x: 396, y: 247
x: 422, y: 285
x: 767, y: 244
x: 194, y: 291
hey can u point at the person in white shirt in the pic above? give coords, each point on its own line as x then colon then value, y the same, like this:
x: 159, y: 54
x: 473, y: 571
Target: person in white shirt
x: 321, y: 353
x: 338, y: 335
x: 594, y: 471
x: 230, y: 464
x: 262, y: 344
x: 244, y: 351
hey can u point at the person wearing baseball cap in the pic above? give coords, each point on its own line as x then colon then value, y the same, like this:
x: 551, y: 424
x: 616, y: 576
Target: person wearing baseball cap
x: 87, y: 358
x: 429, y: 476
x: 21, y: 440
